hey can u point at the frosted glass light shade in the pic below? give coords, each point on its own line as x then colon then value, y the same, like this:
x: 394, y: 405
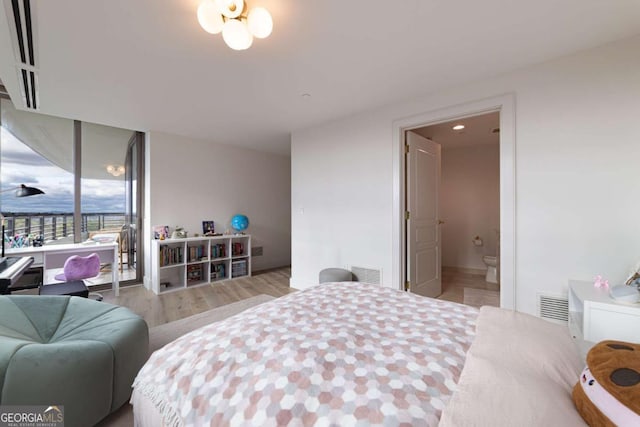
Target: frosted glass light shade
x: 209, y: 17
x: 230, y: 8
x: 115, y: 170
x: 236, y: 35
x: 259, y: 22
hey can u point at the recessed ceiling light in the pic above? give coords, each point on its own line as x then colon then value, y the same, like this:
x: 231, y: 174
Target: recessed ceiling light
x: 458, y: 127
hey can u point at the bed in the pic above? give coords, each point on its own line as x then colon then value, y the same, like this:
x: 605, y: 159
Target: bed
x: 356, y: 354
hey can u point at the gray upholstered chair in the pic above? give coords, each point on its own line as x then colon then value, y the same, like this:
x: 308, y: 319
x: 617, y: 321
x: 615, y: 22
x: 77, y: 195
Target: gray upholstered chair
x: 61, y: 350
x: 335, y: 275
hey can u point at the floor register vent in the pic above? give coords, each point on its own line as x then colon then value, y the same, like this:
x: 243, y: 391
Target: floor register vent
x: 553, y: 308
x: 366, y: 275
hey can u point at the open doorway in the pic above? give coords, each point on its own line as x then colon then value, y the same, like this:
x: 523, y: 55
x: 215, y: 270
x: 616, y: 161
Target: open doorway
x: 452, y: 182
x: 505, y: 104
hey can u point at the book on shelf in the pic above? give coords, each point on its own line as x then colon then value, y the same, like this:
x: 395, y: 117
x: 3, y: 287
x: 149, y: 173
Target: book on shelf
x: 197, y: 253
x: 194, y: 273
x: 218, y: 271
x: 237, y: 248
x: 170, y: 255
x: 219, y: 250
x: 239, y: 268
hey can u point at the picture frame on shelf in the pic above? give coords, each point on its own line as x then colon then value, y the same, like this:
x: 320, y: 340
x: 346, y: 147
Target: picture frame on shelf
x: 160, y: 232
x: 208, y: 228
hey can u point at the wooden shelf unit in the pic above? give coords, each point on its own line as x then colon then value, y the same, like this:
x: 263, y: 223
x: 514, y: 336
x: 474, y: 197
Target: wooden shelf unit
x: 195, y: 261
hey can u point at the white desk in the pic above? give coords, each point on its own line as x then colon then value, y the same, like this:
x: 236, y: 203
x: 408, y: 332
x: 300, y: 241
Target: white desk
x: 54, y: 256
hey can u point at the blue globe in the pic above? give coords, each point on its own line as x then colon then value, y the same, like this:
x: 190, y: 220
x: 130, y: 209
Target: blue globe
x: 239, y: 222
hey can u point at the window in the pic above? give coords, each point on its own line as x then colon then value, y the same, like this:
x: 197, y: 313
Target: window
x: 36, y: 150
x: 39, y: 150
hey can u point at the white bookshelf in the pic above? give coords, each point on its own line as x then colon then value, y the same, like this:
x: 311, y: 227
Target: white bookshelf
x: 195, y: 261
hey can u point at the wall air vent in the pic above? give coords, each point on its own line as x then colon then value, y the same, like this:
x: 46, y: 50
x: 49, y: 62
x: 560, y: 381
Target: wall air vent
x: 366, y: 275
x: 553, y: 308
x: 29, y: 88
x: 23, y: 36
x: 3, y: 92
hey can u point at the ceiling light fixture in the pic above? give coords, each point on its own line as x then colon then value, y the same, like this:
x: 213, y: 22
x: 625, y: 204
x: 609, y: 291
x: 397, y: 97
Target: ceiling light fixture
x: 115, y: 170
x: 458, y: 127
x: 238, y: 25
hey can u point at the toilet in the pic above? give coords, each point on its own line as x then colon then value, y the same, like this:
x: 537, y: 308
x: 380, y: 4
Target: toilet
x: 492, y: 268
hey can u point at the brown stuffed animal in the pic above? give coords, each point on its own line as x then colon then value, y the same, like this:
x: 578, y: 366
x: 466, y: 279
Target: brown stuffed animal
x: 608, y: 391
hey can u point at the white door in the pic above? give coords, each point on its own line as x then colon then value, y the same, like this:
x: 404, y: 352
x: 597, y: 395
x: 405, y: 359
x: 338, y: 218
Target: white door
x: 423, y: 231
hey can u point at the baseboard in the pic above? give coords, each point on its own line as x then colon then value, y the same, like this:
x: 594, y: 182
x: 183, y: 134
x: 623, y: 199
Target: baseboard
x: 301, y: 284
x: 270, y: 269
x: 464, y: 270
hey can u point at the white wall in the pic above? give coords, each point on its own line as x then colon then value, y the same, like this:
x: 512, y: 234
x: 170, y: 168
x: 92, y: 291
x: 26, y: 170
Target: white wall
x: 340, y: 201
x: 469, y: 204
x: 577, y: 180
x: 191, y: 180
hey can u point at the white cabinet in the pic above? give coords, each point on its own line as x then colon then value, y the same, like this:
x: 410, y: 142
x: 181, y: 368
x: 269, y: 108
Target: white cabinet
x: 594, y: 316
x: 180, y: 263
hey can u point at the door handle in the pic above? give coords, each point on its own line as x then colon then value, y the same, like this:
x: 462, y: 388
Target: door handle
x: 440, y: 222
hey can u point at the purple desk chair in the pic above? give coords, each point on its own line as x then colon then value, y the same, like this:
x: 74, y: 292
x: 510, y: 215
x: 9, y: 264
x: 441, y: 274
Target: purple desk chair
x: 77, y: 268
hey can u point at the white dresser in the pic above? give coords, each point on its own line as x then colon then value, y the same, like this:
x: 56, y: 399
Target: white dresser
x: 594, y: 316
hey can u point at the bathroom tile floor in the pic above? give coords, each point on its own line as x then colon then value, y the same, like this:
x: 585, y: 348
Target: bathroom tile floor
x: 454, y: 281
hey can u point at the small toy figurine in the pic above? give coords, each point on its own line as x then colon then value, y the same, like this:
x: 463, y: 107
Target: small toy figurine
x: 599, y: 283
x: 179, y: 233
x: 633, y: 280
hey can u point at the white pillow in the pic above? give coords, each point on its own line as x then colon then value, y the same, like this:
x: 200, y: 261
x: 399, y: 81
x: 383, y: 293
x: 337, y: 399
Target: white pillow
x: 519, y: 370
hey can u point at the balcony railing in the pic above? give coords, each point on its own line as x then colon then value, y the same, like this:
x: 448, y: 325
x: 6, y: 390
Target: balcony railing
x: 54, y: 226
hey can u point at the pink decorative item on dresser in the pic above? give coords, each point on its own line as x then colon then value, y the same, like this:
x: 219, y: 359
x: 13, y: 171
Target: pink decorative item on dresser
x: 598, y: 282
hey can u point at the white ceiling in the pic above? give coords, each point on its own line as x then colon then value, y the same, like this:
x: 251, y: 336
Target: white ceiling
x: 147, y: 64
x: 478, y: 130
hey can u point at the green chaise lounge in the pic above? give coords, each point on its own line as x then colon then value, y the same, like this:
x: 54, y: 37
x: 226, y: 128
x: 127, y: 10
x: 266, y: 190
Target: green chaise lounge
x: 71, y: 351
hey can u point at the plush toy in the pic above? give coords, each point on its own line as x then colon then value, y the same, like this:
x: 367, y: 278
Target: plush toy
x: 608, y: 391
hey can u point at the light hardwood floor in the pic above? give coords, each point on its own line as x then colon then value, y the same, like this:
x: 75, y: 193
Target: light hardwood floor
x: 454, y: 281
x: 174, y: 305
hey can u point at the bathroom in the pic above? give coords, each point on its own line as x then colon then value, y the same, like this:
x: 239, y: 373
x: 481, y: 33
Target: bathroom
x: 469, y: 208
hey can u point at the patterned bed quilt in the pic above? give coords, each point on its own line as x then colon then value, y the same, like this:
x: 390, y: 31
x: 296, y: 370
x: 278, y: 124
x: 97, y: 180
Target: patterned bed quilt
x: 334, y: 354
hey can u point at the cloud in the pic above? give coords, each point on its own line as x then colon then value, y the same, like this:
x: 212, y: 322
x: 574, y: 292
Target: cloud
x: 23, y: 158
x: 21, y: 165
x: 14, y: 179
